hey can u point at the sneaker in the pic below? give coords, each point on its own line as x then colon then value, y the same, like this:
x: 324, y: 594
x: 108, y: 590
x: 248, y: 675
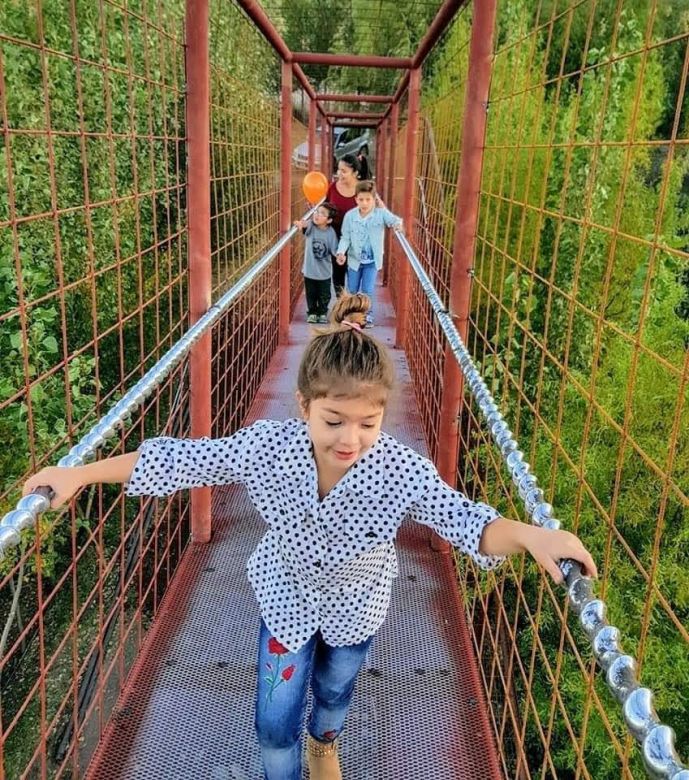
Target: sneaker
x: 322, y: 319
x: 369, y: 323
x: 312, y: 319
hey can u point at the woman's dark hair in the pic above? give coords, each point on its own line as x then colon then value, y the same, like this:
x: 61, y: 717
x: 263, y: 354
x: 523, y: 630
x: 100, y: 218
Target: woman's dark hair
x: 344, y: 361
x: 364, y: 169
x: 351, y: 161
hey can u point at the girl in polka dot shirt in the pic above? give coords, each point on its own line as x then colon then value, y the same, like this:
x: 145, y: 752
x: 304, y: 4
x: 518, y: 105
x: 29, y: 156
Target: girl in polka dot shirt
x: 333, y: 490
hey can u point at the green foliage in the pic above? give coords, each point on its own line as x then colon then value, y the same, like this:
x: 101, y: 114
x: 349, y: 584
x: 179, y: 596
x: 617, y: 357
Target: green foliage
x: 587, y: 328
x: 362, y: 27
x: 310, y: 25
x: 244, y: 142
x: 91, y: 251
x: 92, y: 265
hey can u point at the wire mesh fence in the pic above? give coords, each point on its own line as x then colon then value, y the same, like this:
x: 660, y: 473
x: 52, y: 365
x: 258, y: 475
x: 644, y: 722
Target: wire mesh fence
x: 435, y: 199
x: 579, y: 322
x: 93, y: 261
x: 245, y: 190
x: 93, y: 258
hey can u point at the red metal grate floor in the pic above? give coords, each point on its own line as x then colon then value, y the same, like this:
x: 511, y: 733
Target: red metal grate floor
x: 187, y: 710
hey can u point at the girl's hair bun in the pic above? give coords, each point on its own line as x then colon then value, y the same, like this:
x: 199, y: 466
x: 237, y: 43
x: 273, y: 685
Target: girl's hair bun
x: 345, y: 362
x: 352, y: 308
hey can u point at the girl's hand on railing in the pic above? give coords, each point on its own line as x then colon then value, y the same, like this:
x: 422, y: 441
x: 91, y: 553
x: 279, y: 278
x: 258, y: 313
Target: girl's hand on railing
x: 548, y: 548
x: 64, y: 483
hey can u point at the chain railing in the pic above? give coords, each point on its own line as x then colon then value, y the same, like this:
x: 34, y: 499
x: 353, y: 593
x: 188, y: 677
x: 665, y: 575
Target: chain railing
x: 656, y: 739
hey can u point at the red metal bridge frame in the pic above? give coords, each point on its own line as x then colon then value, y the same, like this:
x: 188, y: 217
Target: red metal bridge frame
x: 374, y: 119
x: 199, y: 217
x: 386, y: 124
x: 326, y: 97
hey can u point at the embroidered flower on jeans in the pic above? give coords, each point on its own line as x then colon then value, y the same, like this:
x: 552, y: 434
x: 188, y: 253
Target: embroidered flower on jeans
x: 275, y: 647
x: 277, y: 675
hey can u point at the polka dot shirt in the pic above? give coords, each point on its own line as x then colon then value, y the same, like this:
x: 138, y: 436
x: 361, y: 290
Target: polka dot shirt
x: 323, y: 564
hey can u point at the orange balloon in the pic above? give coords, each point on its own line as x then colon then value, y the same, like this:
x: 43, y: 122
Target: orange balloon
x: 314, y: 186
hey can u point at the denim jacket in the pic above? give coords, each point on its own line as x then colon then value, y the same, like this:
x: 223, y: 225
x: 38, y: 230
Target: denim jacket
x: 354, y: 231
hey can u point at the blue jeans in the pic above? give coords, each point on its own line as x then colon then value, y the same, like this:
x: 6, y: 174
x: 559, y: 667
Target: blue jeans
x: 363, y: 280
x: 283, y: 681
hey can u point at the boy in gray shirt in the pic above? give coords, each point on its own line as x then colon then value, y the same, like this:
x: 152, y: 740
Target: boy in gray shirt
x: 320, y: 245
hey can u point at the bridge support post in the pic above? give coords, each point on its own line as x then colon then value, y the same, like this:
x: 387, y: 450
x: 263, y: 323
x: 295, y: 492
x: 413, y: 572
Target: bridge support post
x: 323, y: 124
x: 466, y: 219
x: 393, y: 121
x: 285, y: 199
x: 381, y: 177
x: 328, y: 150
x: 381, y: 146
x: 402, y: 297
x: 311, y: 165
x: 199, y: 257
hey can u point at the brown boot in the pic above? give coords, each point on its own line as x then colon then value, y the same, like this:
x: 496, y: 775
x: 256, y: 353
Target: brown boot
x: 324, y: 763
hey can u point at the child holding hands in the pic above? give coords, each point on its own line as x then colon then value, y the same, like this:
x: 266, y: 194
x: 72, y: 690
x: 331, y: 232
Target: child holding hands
x: 320, y: 246
x: 363, y: 231
x: 333, y: 489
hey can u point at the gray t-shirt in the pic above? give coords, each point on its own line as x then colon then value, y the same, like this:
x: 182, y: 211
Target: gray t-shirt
x: 319, y: 245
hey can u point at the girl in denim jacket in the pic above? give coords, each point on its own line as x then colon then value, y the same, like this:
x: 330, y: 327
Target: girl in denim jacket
x: 363, y: 233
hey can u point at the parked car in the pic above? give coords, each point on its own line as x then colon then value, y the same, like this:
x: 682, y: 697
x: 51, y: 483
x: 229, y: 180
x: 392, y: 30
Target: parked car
x: 346, y: 140
x: 300, y: 155
x: 352, y: 140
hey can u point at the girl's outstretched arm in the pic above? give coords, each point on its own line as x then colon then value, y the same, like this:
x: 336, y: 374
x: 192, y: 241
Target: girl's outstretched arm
x: 547, y: 548
x: 164, y: 465
x: 65, y: 482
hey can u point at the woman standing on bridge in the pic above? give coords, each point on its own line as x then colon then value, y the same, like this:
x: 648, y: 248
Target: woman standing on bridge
x: 333, y: 490
x: 342, y: 194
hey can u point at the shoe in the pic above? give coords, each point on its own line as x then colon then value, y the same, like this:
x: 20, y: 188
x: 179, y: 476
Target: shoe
x: 369, y: 324
x: 324, y: 763
x: 312, y: 319
x: 322, y: 319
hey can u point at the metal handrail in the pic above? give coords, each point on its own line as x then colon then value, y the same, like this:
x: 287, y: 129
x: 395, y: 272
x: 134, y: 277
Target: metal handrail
x: 28, y: 508
x: 657, y: 740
